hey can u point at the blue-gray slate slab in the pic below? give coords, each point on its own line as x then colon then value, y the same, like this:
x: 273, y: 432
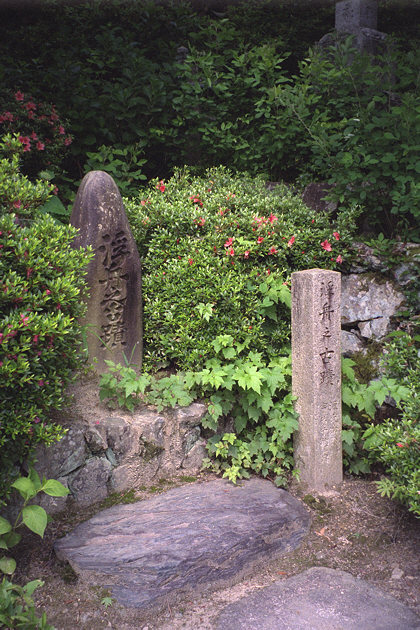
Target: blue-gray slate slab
x: 318, y: 599
x: 186, y: 539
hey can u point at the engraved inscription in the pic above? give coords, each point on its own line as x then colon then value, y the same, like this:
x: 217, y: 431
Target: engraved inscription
x: 114, y: 288
x: 326, y: 296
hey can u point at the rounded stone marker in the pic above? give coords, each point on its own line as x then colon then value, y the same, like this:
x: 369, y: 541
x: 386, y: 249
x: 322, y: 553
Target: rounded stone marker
x: 188, y: 538
x: 114, y: 311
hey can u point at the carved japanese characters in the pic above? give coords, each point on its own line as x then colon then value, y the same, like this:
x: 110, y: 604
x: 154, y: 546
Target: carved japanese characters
x: 114, y: 314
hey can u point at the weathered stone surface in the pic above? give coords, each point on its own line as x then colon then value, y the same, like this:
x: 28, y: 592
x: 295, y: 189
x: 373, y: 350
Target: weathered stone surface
x: 65, y: 456
x: 89, y: 484
x: 314, y: 197
x: 316, y: 377
x: 367, y: 302
x: 350, y: 343
x: 135, y: 449
x: 318, y: 599
x: 188, y: 538
x: 351, y: 15
x: 114, y: 314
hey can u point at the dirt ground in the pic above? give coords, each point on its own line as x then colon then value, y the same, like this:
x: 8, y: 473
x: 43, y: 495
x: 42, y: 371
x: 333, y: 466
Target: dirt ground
x: 357, y: 531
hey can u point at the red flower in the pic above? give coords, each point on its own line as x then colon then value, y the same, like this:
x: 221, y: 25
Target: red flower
x: 339, y: 259
x: 272, y: 218
x: 229, y: 241
x: 326, y: 245
x: 231, y: 252
x: 260, y: 239
x: 290, y: 243
x: 400, y: 444
x: 19, y: 96
x: 336, y: 236
x: 161, y: 186
x: 246, y: 254
x: 272, y: 250
x: 190, y: 261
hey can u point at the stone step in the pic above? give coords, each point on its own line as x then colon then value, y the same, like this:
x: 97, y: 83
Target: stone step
x: 187, y: 539
x: 318, y: 599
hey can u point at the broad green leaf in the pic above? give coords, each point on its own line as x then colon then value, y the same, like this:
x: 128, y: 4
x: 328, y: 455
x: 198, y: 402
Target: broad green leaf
x: 11, y: 539
x: 54, y: 488
x: 35, y: 518
x: 30, y: 587
x: 7, y: 565
x: 25, y: 487
x: 5, y: 526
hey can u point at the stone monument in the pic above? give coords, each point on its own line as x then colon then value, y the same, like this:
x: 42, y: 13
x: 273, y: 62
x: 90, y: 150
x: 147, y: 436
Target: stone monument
x: 114, y: 312
x: 316, y: 377
x: 360, y: 19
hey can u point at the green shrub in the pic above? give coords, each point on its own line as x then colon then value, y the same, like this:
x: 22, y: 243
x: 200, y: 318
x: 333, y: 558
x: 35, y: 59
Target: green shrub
x: 355, y: 123
x: 41, y: 132
x: 396, y: 443
x: 216, y: 251
x: 41, y: 280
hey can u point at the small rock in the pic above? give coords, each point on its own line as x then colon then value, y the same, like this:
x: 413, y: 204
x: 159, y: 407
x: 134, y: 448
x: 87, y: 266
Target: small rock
x: 397, y: 574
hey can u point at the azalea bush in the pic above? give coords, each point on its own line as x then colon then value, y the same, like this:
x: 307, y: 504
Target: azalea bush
x: 216, y: 251
x: 41, y: 280
x: 41, y: 131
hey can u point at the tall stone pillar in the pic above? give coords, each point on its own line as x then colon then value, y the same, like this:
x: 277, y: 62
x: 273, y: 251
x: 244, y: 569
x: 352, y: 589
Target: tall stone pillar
x: 114, y: 305
x: 316, y: 377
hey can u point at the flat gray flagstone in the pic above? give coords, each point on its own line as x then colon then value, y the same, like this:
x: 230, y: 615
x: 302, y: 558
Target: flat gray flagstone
x: 187, y: 538
x: 318, y: 599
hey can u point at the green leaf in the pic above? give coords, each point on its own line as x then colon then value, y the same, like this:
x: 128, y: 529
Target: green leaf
x: 35, y: 518
x: 30, y: 587
x: 5, y: 526
x: 54, y: 488
x: 25, y: 487
x: 7, y: 565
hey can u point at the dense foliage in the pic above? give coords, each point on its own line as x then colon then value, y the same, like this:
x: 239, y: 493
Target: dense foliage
x: 225, y: 87
x: 41, y: 279
x: 216, y: 253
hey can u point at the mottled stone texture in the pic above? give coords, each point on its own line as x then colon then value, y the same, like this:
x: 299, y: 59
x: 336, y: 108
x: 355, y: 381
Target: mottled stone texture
x: 186, y: 539
x: 318, y: 599
x: 114, y: 314
x: 351, y: 15
x: 316, y: 380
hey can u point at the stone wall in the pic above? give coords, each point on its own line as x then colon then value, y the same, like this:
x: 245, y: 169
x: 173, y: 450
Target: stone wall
x: 112, y: 451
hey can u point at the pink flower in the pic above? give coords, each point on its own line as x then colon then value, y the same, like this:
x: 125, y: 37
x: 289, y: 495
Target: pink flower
x: 143, y: 202
x: 17, y: 204
x: 290, y: 243
x: 40, y: 146
x: 400, y: 444
x: 30, y: 105
x: 326, y: 245
x: 272, y: 218
x: 19, y: 96
x: 6, y: 117
x: 68, y: 141
x: 190, y: 261
x: 231, y: 252
x: 35, y: 339
x: 61, y: 130
x: 48, y: 292
x: 336, y: 236
x: 272, y: 250
x: 36, y: 420
x: 339, y: 259
x: 229, y: 241
x: 34, y: 136
x: 260, y: 239
x: 161, y: 186
x: 41, y: 383
x: 246, y: 254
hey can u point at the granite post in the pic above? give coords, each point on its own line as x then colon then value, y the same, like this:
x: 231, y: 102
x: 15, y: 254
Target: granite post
x: 316, y: 378
x: 360, y: 19
x: 114, y: 307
